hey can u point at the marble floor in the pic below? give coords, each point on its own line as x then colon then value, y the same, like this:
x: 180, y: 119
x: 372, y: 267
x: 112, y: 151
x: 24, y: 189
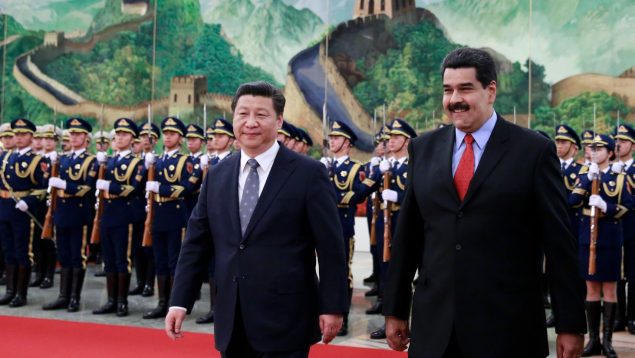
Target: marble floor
x: 361, y: 325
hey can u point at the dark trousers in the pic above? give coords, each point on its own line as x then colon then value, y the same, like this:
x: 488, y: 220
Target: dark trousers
x: 71, y: 246
x: 115, y: 248
x: 16, y: 240
x: 239, y: 346
x: 167, y: 246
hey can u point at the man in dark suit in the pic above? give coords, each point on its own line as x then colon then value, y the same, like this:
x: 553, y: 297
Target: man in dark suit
x: 484, y: 199
x: 262, y: 215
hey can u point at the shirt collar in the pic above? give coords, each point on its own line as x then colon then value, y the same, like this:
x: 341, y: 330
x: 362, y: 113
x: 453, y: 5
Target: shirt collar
x: 124, y: 153
x: 23, y: 151
x: 196, y: 155
x: 341, y: 159
x: 628, y: 163
x: 171, y: 153
x: 401, y: 160
x: 222, y: 155
x: 79, y: 152
x: 566, y: 162
x: 265, y: 159
x: 481, y: 135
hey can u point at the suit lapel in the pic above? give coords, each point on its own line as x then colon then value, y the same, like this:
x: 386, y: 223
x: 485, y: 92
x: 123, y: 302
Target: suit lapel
x: 447, y: 151
x: 494, y: 151
x: 232, y: 189
x: 280, y: 172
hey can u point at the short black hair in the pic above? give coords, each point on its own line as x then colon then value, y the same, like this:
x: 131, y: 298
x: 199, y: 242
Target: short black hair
x: 262, y: 89
x: 467, y: 57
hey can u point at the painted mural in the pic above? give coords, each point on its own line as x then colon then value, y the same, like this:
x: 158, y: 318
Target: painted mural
x: 113, y: 58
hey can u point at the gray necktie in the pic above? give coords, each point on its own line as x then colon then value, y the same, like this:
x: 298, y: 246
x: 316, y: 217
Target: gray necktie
x: 250, y: 195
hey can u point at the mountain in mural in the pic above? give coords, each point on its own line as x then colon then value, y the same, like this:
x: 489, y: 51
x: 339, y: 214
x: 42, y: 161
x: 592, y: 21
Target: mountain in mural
x: 48, y: 15
x: 267, y: 32
x: 570, y: 36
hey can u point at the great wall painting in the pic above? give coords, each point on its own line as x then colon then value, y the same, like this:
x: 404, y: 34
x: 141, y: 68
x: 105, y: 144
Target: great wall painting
x: 371, y: 59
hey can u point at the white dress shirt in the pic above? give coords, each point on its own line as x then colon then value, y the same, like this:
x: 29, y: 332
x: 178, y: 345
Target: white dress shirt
x: 265, y: 162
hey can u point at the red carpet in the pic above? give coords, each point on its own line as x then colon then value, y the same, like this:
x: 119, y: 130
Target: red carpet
x: 31, y: 337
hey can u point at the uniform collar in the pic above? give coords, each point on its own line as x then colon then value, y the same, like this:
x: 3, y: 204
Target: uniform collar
x: 124, y: 153
x: 341, y: 159
x: 77, y: 153
x: 23, y: 151
x: 223, y: 155
x: 170, y: 153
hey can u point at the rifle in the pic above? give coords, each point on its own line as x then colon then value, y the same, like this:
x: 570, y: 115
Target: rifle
x: 593, y: 232
x: 47, y: 229
x: 373, y: 220
x: 147, y: 226
x: 95, y: 235
x: 387, y: 209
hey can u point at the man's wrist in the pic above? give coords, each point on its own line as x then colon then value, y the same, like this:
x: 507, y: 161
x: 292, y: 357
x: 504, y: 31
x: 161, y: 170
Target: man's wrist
x: 177, y: 308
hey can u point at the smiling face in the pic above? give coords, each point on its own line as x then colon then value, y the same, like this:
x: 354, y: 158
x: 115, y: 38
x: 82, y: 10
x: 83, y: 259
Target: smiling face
x: 466, y: 103
x: 256, y: 124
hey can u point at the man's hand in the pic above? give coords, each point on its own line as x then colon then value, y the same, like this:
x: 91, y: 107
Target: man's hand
x: 330, y: 324
x: 173, y: 322
x: 397, y: 333
x: 569, y: 345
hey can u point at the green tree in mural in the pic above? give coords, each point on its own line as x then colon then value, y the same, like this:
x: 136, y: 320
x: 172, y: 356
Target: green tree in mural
x: 577, y: 112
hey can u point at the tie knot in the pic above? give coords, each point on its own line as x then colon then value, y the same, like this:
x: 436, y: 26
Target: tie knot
x: 468, y: 139
x: 253, y: 163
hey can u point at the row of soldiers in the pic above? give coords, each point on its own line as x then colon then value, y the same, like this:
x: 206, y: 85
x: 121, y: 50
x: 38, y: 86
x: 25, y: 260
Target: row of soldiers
x: 607, y: 162
x: 103, y: 199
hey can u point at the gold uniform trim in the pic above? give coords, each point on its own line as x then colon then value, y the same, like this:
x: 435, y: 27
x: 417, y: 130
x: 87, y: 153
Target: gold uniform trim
x: 347, y: 198
x: 177, y: 172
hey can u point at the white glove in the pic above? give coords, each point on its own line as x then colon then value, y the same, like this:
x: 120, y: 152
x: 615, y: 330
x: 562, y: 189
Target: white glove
x: 598, y: 202
x: 326, y: 162
x: 374, y: 161
x: 594, y: 171
x: 617, y: 167
x: 384, y: 166
x: 22, y: 206
x: 58, y: 183
x: 103, y: 184
x: 53, y: 157
x: 146, y: 207
x: 152, y: 186
x: 389, y: 195
x: 204, y: 160
x: 102, y: 157
x: 48, y: 203
x: 149, y: 160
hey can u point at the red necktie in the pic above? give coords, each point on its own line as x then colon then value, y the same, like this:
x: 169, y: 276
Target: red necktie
x: 465, y: 170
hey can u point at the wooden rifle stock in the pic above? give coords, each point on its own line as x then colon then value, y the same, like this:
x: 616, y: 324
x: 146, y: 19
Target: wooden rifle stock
x: 147, y: 228
x: 95, y: 236
x: 47, y: 229
x: 387, y: 226
x: 593, y: 233
x: 373, y: 220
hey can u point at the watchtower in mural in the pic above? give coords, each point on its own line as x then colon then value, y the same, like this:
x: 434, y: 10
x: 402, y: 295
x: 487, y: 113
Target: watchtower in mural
x: 390, y: 8
x: 186, y: 93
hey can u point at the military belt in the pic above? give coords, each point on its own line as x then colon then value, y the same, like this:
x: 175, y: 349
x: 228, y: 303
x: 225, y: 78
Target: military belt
x: 63, y: 195
x: 587, y: 212
x: 5, y: 194
x: 165, y: 199
x: 393, y: 207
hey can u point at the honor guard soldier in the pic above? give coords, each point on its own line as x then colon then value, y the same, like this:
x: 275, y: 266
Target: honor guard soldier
x: 349, y: 189
x: 400, y: 135
x: 612, y: 202
x: 37, y: 144
x: 66, y: 142
x: 297, y: 144
x: 307, y: 142
x: 285, y: 134
x: 625, y: 146
x: 222, y: 140
x: 195, y: 137
x: 123, y: 171
x: 372, y: 206
x: 143, y: 257
x: 7, y: 137
x: 172, y: 184
x: 23, y: 174
x: 103, y: 141
x: 209, y: 135
x: 75, y: 191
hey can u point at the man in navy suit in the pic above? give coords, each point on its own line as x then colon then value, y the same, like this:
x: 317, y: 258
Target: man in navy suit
x: 262, y: 215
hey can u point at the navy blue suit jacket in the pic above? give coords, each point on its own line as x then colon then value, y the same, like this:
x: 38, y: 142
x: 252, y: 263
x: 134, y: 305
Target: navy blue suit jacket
x: 269, y: 271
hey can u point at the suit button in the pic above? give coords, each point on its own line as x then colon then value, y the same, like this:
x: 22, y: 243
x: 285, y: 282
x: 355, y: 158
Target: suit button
x: 458, y: 247
x: 234, y: 279
x: 241, y: 247
x: 460, y: 214
x: 243, y: 277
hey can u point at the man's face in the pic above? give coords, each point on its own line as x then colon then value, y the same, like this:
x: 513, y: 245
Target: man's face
x: 282, y: 138
x: 587, y: 152
x: 336, y: 143
x: 563, y: 148
x: 78, y: 140
x: 624, y: 147
x: 23, y: 140
x: 66, y: 145
x: 210, y: 144
x: 221, y: 142
x: 50, y: 144
x: 298, y: 147
x: 171, y: 139
x: 123, y: 140
x: 37, y: 143
x: 194, y: 145
x: 102, y: 146
x: 137, y: 147
x: 396, y: 142
x: 8, y: 142
x: 256, y: 123
x: 380, y: 149
x: 466, y: 103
